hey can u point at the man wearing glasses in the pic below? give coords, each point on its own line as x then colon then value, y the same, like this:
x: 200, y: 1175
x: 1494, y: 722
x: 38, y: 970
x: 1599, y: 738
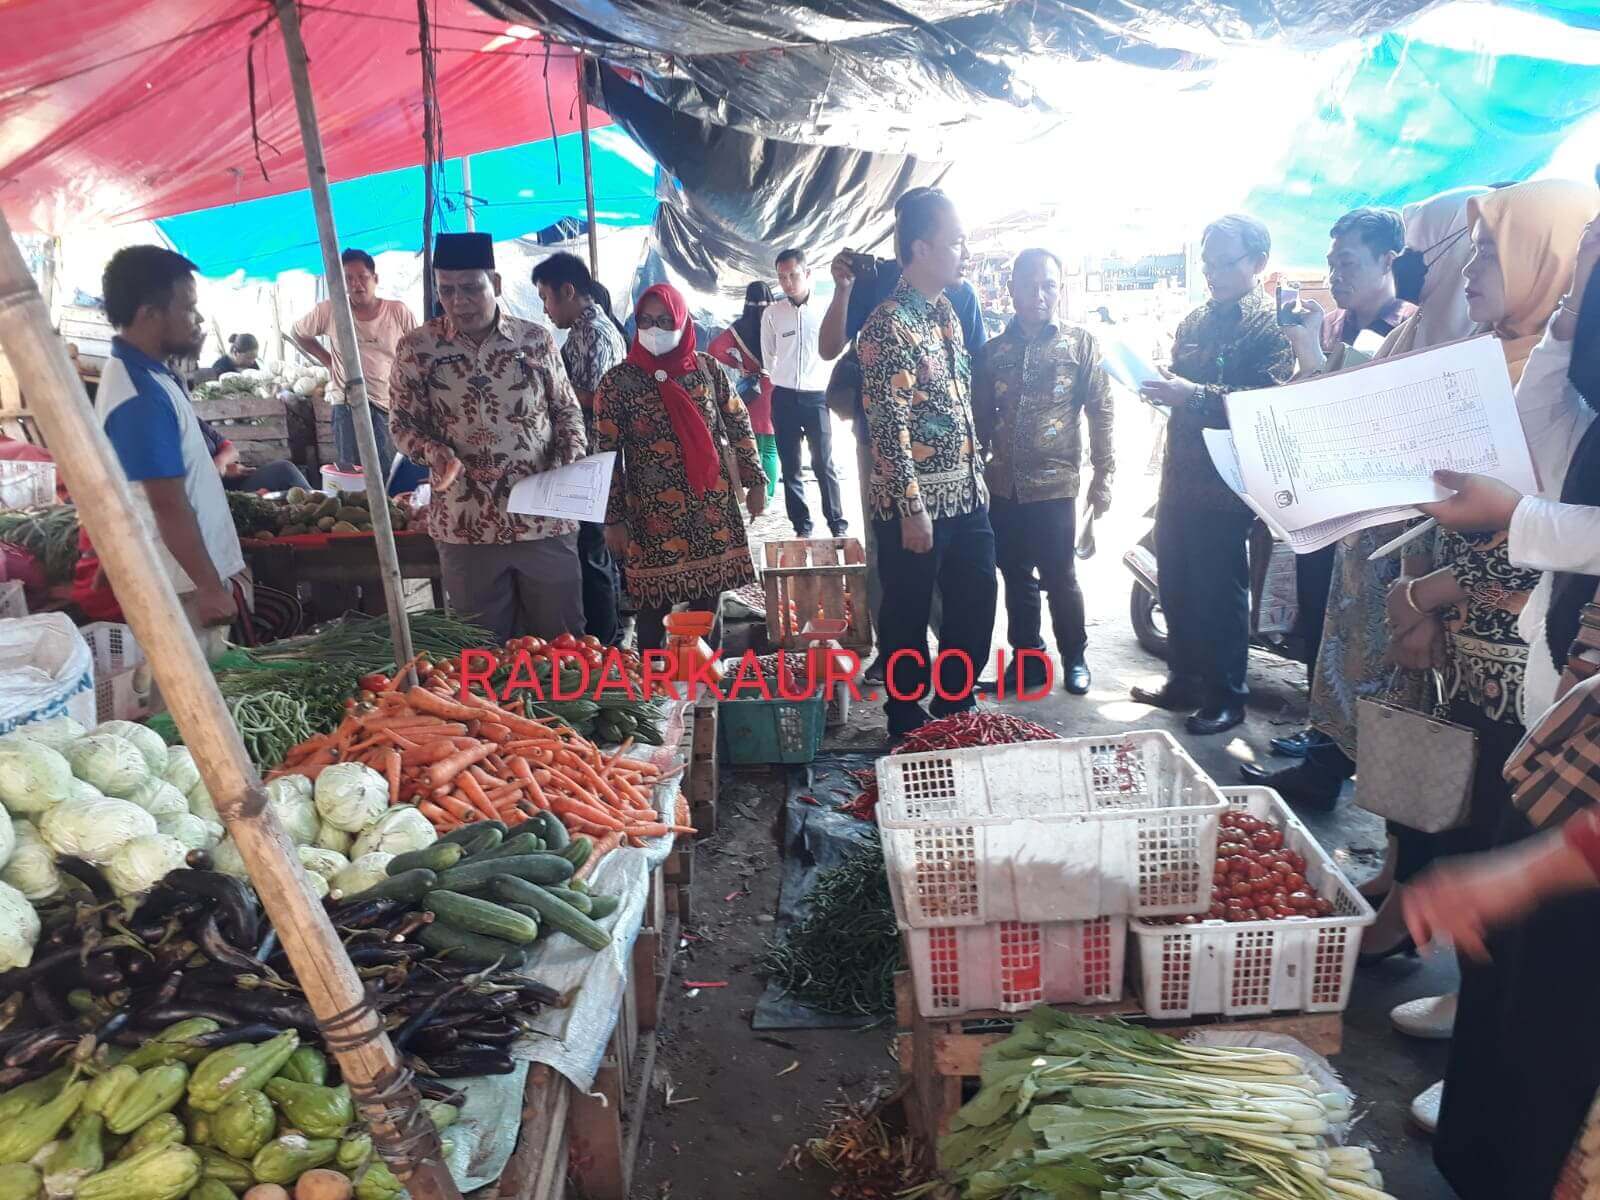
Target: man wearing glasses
x: 1231, y: 343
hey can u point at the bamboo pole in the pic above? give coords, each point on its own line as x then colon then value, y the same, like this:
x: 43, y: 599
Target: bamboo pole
x: 344, y: 336
x: 466, y: 191
x: 588, y: 168
x: 57, y: 401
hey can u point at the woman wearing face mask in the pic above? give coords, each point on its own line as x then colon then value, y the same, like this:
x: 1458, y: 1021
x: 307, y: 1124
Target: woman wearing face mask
x: 676, y: 424
x: 1494, y: 1112
x: 739, y: 346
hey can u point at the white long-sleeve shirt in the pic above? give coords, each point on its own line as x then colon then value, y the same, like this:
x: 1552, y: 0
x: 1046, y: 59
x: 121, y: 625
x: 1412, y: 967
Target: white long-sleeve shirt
x: 1545, y: 534
x: 789, y: 351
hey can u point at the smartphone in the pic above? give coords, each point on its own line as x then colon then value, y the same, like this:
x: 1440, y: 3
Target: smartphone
x: 865, y: 266
x: 1288, y: 297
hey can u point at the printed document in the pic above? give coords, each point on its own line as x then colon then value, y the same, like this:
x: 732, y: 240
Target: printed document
x: 576, y: 492
x: 1359, y: 447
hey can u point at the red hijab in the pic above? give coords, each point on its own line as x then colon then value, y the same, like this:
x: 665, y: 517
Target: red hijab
x: 699, y: 452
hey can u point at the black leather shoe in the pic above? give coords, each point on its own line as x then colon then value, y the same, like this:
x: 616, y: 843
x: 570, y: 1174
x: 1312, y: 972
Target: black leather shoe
x: 1296, y: 745
x: 1034, y: 677
x: 840, y: 530
x: 1301, y: 786
x: 1215, y: 718
x: 1173, y: 698
x: 874, y: 671
x: 1077, y: 679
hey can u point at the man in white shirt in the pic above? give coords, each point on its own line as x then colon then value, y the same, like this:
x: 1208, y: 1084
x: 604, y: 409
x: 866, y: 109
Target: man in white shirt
x: 799, y: 373
x: 380, y: 324
x: 150, y: 300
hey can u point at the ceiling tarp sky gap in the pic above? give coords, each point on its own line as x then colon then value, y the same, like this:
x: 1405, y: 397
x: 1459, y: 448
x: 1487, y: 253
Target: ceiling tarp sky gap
x: 515, y: 192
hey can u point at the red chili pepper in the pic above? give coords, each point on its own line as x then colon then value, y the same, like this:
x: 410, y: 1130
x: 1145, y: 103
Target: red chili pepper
x: 958, y: 732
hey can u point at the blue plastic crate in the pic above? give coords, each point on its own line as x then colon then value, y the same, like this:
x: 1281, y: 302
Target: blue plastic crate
x: 771, y: 731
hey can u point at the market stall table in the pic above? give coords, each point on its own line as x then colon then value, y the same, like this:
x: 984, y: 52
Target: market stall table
x: 340, y: 572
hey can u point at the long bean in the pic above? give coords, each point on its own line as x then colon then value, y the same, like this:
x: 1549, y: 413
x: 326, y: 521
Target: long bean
x: 841, y: 958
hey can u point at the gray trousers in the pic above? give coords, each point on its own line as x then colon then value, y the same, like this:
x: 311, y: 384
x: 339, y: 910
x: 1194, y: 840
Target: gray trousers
x: 519, y: 588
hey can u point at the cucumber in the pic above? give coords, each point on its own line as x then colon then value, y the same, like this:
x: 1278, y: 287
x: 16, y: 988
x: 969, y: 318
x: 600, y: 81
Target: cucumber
x: 526, y: 910
x: 467, y: 835
x: 449, y: 942
x: 522, y: 843
x: 576, y: 885
x: 440, y: 856
x: 578, y: 850
x: 555, y: 913
x: 535, y: 868
x: 577, y: 899
x: 601, y: 907
x: 410, y: 885
x: 481, y: 916
x: 548, y: 826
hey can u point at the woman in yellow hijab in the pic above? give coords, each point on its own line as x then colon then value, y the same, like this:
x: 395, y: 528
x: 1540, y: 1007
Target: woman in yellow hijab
x: 1504, y: 1124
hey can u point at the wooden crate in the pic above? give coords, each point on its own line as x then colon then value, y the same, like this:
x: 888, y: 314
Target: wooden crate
x: 938, y: 1057
x: 258, y: 426
x: 805, y: 576
x: 701, y: 784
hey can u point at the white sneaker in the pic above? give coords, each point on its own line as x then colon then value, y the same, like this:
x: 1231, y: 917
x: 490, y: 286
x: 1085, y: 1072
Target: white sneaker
x: 1425, y: 1108
x: 1432, y: 1017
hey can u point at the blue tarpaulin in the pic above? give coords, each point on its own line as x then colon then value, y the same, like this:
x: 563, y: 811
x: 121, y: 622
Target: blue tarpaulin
x: 515, y: 192
x: 1416, y: 118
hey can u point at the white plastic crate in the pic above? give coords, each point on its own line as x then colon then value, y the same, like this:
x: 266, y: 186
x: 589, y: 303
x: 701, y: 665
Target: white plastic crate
x: 1246, y: 968
x: 1012, y: 966
x: 13, y: 599
x: 27, y: 484
x: 124, y: 689
x: 1036, y: 832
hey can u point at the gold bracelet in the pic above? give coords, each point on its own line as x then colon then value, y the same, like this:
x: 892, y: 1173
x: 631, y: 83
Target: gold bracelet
x: 1411, y: 598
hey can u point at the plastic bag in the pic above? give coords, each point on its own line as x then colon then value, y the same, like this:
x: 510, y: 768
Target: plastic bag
x: 46, y: 670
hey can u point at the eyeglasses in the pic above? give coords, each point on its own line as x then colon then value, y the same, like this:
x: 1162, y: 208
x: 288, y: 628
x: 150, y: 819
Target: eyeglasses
x: 664, y: 321
x: 1207, y: 264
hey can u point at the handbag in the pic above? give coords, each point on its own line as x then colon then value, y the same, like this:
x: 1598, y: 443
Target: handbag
x: 1555, y: 770
x: 1414, y: 769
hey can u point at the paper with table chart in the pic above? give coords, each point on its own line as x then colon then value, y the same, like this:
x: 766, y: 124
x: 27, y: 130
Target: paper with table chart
x: 576, y: 492
x: 1338, y: 453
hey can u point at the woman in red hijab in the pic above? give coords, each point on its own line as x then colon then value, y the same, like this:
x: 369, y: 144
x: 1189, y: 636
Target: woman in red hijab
x: 685, y: 452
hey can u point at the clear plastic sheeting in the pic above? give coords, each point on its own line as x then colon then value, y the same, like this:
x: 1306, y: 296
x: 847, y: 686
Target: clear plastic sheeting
x: 885, y: 76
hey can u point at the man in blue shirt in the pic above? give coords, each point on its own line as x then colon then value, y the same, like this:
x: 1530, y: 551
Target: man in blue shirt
x: 150, y: 300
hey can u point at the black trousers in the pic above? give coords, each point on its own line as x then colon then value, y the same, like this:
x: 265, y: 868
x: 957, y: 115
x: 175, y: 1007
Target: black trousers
x: 599, y: 583
x: 1035, y: 545
x: 961, y: 566
x: 1313, y: 576
x: 797, y: 417
x: 1203, y: 565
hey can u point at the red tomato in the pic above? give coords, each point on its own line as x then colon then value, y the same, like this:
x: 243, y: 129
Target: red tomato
x: 1295, y: 882
x: 1241, y: 889
x: 1301, y: 899
x: 375, y: 682
x: 1297, y: 861
x: 1324, y: 908
x: 565, y: 642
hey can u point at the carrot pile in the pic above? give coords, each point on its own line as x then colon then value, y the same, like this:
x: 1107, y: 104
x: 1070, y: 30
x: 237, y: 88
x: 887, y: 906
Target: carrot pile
x: 465, y: 759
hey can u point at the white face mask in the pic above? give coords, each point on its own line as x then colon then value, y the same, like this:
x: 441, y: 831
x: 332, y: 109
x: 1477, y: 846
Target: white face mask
x: 660, y: 341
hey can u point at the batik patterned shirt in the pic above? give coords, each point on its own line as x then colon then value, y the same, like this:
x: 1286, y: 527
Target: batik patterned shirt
x: 916, y: 387
x: 592, y: 348
x: 504, y: 407
x: 1029, y: 397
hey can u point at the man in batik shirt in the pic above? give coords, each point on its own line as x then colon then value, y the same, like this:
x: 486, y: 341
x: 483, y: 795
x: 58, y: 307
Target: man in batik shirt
x: 928, y: 498
x: 482, y: 400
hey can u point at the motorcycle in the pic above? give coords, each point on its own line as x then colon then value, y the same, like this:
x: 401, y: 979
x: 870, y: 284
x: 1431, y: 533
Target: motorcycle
x: 1274, y: 611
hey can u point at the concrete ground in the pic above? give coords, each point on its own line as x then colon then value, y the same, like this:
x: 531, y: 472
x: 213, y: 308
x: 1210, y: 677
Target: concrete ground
x: 736, y: 1107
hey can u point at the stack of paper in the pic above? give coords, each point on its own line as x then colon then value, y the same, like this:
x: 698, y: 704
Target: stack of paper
x: 1331, y: 455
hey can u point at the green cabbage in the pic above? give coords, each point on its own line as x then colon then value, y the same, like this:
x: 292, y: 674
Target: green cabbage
x: 158, y: 798
x: 31, y: 868
x: 82, y: 791
x: 366, y: 871
x: 33, y: 777
x: 287, y: 797
x: 200, y: 805
x: 19, y: 928
x: 180, y: 770
x: 226, y: 858
x: 113, y: 764
x: 350, y: 796
x: 326, y: 863
x: 143, y: 862
x: 196, y: 833
x: 56, y: 732
x: 147, y: 739
x: 319, y: 885
x: 329, y: 838
x: 94, y: 830
x: 400, y: 829
x: 8, y: 837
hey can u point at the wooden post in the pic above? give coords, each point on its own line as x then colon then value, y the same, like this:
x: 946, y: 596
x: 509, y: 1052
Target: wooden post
x: 329, y: 981
x: 588, y: 168
x: 466, y: 191
x: 344, y: 332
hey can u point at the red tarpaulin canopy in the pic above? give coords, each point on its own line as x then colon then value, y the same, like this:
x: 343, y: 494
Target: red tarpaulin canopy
x: 121, y: 110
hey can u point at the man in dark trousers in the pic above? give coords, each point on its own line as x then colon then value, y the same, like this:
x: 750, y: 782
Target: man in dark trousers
x: 799, y: 374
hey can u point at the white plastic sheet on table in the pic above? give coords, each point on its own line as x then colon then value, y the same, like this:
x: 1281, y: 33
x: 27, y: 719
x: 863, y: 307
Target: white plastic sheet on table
x: 485, y: 1134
